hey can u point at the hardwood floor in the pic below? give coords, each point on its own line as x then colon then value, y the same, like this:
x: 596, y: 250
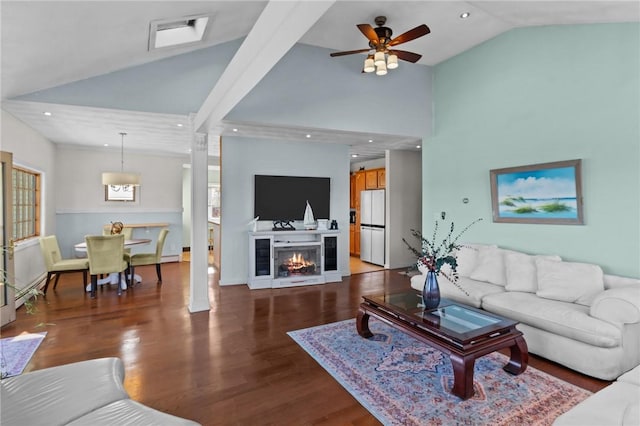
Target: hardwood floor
x: 233, y: 365
x: 357, y: 266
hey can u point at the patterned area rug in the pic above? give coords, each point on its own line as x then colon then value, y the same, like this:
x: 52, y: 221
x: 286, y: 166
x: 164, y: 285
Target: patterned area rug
x: 16, y: 352
x: 402, y: 381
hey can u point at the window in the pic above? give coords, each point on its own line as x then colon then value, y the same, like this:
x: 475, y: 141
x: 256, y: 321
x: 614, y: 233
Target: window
x: 26, y: 204
x: 214, y: 201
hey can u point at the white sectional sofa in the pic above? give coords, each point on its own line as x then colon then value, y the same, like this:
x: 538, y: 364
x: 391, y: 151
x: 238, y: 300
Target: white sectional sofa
x: 569, y: 312
x: 83, y: 393
x: 617, y: 404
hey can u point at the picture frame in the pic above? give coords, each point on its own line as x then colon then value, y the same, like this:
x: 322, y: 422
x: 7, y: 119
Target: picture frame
x: 119, y: 192
x: 547, y: 193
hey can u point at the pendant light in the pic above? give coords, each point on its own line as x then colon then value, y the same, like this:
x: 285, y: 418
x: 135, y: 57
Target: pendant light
x: 121, y: 178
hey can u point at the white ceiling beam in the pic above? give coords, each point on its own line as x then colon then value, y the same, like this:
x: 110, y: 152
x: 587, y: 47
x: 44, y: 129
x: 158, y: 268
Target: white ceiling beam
x: 279, y: 27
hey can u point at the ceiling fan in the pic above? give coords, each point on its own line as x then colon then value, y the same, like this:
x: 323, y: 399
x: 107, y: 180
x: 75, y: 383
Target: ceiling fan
x: 381, y: 55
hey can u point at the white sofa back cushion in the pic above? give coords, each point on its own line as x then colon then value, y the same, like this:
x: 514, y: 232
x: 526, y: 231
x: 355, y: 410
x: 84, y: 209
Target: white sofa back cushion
x: 569, y: 281
x: 490, y: 266
x: 467, y: 258
x: 520, y: 271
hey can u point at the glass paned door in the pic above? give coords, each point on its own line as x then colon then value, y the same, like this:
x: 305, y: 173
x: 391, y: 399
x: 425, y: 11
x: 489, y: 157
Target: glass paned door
x: 7, y: 294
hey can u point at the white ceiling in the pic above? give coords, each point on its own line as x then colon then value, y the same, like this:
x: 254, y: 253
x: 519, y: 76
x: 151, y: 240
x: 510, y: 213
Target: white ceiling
x: 49, y: 43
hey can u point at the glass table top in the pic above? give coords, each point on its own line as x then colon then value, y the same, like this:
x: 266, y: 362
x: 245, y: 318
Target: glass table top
x: 450, y: 316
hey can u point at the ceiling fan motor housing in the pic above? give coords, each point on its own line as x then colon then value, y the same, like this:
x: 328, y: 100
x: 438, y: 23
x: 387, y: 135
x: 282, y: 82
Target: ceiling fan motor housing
x: 383, y: 33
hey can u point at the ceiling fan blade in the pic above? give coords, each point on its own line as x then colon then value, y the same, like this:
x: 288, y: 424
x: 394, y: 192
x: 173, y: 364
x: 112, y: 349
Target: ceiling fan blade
x: 369, y: 33
x: 348, y: 52
x: 407, y: 56
x: 413, y: 34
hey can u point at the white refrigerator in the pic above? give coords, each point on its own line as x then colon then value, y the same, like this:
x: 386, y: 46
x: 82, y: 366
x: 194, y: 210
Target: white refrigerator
x: 372, y: 223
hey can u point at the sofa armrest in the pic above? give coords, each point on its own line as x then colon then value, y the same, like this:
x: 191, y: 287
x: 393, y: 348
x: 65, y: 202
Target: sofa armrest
x: 621, y: 305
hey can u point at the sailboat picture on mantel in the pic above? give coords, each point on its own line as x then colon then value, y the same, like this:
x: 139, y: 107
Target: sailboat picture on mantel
x: 309, y: 221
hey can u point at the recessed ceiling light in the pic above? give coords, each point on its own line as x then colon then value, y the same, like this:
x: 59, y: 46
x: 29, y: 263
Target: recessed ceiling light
x: 354, y: 155
x: 308, y: 136
x: 235, y: 130
x: 464, y: 15
x: 179, y: 124
x: 370, y: 140
x: 106, y: 144
x: 47, y: 113
x: 418, y: 146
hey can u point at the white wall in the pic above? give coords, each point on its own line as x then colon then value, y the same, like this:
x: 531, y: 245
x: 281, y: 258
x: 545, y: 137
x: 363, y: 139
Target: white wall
x: 404, y: 204
x: 81, y: 208
x: 368, y: 164
x: 80, y: 170
x: 246, y: 157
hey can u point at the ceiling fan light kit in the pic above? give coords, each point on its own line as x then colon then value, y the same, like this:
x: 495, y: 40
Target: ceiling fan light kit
x: 369, y: 65
x: 379, y: 57
x: 392, y: 61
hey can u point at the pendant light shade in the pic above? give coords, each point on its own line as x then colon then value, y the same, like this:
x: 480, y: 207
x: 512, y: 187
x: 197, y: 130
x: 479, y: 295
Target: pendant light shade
x: 121, y: 178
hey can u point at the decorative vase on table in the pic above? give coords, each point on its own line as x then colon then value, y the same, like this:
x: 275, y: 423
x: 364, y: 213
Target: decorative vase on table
x: 431, y: 291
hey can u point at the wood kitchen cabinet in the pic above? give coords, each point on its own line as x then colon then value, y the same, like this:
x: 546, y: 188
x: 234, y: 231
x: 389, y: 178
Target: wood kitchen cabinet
x: 352, y: 191
x: 359, y: 186
x: 375, y: 178
x: 371, y: 179
x: 352, y: 238
x: 360, y: 181
x: 381, y: 178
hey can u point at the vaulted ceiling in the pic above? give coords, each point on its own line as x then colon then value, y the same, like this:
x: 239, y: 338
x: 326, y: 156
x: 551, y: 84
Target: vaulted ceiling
x: 51, y: 43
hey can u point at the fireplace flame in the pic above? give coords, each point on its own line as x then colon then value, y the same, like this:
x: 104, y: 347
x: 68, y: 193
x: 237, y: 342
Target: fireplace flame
x: 298, y: 260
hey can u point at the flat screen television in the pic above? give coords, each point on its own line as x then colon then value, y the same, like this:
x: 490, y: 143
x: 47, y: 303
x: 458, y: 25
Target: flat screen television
x: 285, y: 197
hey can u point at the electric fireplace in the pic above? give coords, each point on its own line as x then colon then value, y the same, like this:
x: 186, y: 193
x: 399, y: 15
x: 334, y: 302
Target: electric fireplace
x: 297, y: 260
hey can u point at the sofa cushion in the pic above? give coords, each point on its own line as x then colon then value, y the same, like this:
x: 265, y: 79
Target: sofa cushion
x: 617, y: 404
x: 569, y: 281
x: 58, y: 395
x: 520, y: 271
x: 562, y: 318
x: 475, y: 290
x: 632, y: 376
x: 490, y: 266
x: 467, y: 258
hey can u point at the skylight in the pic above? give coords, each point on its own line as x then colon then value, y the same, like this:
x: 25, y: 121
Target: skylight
x: 177, y: 32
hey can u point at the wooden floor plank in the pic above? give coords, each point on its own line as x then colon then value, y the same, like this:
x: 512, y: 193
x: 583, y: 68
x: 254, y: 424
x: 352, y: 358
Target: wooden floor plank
x: 233, y: 365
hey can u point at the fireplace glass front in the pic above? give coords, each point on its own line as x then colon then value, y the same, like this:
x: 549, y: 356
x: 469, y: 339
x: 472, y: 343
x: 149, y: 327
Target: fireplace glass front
x: 297, y: 261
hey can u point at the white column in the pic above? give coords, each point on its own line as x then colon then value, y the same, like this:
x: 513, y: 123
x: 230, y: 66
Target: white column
x: 199, y: 281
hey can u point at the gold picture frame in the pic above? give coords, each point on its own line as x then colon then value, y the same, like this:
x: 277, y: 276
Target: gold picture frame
x: 548, y: 193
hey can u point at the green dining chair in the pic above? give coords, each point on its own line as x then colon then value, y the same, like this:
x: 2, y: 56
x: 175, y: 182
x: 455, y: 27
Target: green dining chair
x: 140, y: 259
x: 106, y: 256
x: 56, y: 265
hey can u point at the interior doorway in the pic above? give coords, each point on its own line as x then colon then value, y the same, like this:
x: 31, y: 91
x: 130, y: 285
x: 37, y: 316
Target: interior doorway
x: 357, y: 266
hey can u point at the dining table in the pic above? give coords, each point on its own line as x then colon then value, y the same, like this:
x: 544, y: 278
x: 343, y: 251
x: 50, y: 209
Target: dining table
x: 113, y: 277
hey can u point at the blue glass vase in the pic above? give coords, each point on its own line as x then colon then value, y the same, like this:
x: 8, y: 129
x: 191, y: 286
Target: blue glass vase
x: 431, y: 291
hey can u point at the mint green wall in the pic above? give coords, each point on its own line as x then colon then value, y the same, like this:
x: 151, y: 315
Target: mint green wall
x: 537, y: 95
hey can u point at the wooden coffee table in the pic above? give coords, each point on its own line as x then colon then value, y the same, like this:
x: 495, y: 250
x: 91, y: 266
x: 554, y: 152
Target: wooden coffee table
x: 463, y: 332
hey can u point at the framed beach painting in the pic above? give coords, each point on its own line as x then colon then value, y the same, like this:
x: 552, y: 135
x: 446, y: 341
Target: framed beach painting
x: 540, y: 193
